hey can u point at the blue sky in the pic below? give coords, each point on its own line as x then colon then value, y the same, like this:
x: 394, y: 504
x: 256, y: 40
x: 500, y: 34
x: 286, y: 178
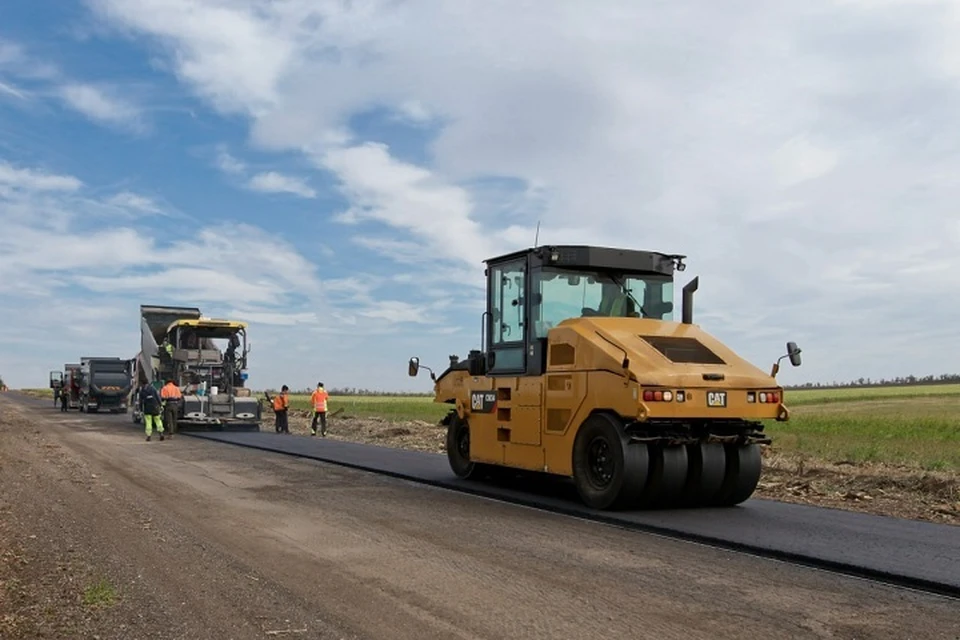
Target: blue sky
x: 334, y: 173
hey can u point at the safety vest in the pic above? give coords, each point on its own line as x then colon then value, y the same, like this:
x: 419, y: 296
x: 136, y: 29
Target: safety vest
x: 170, y: 392
x: 319, y: 399
x: 281, y: 402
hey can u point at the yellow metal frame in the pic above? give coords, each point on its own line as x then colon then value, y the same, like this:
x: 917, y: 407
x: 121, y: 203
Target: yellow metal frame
x: 207, y: 323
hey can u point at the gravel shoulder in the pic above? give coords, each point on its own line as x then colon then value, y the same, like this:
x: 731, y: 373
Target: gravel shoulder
x: 104, y: 535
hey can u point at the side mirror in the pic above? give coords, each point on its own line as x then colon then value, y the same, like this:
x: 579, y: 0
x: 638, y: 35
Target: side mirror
x: 793, y: 351
x: 413, y: 367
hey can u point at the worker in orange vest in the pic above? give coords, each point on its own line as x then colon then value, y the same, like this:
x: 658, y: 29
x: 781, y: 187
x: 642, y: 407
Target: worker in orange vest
x: 170, y: 396
x: 319, y: 401
x: 281, y: 406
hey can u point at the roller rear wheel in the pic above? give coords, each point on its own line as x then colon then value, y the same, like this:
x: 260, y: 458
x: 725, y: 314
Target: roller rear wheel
x: 743, y: 465
x: 609, y: 471
x: 707, y: 465
x: 668, y: 475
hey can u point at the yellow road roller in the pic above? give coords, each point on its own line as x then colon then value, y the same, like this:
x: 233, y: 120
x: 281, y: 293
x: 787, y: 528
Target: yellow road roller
x: 583, y: 373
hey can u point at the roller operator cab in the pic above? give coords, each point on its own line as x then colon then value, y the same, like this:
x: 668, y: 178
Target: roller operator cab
x: 583, y: 372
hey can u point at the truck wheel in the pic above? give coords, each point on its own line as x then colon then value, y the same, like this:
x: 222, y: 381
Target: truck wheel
x: 608, y: 470
x: 458, y: 447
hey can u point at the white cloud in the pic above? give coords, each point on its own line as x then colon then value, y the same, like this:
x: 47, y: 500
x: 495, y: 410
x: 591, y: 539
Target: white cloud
x: 414, y: 111
x: 99, y: 105
x: 228, y: 164
x: 407, y: 197
x: 128, y: 200
x: 397, y: 311
x: 799, y: 160
x: 14, y: 60
x: 93, y: 279
x: 276, y: 318
x: 72, y: 282
x: 226, y: 48
x: 10, y: 52
x: 397, y: 250
x: 11, y: 90
x: 35, y: 180
x: 210, y: 284
x: 273, y: 182
x: 801, y: 155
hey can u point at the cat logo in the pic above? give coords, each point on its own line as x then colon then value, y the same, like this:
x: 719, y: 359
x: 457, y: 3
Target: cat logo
x: 716, y: 398
x: 483, y: 401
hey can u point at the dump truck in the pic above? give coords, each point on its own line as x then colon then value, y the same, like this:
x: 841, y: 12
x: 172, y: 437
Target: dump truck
x: 583, y: 373
x: 179, y: 344
x: 71, y: 385
x: 105, y: 384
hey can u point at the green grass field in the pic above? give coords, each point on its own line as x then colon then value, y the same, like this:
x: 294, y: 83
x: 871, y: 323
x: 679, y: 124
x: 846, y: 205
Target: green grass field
x: 390, y: 408
x: 915, y: 426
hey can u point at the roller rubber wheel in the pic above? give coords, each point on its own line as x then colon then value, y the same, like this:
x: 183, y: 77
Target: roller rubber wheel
x: 706, y: 466
x: 458, y: 448
x: 668, y: 476
x: 742, y: 475
x: 609, y: 471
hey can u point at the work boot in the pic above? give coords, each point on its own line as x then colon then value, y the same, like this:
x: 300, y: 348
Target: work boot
x: 148, y: 438
x: 161, y: 437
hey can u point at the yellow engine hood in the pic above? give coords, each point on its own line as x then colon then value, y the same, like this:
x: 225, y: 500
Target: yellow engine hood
x: 670, y: 354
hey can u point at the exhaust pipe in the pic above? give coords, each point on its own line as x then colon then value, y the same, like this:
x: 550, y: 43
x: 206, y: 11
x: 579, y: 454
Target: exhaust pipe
x: 688, y: 290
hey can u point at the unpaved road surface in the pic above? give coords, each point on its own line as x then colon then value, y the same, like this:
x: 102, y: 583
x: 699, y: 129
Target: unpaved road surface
x: 191, y: 539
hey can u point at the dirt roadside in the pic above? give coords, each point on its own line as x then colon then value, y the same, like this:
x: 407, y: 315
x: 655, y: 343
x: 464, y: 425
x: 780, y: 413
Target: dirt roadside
x: 871, y: 488
x: 191, y: 539
x: 86, y: 554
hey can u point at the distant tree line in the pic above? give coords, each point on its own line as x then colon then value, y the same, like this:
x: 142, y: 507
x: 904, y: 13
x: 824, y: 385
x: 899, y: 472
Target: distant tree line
x: 900, y: 381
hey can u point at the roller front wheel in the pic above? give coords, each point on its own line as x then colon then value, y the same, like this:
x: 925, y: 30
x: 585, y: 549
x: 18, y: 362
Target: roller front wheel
x: 609, y: 471
x: 458, y: 447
